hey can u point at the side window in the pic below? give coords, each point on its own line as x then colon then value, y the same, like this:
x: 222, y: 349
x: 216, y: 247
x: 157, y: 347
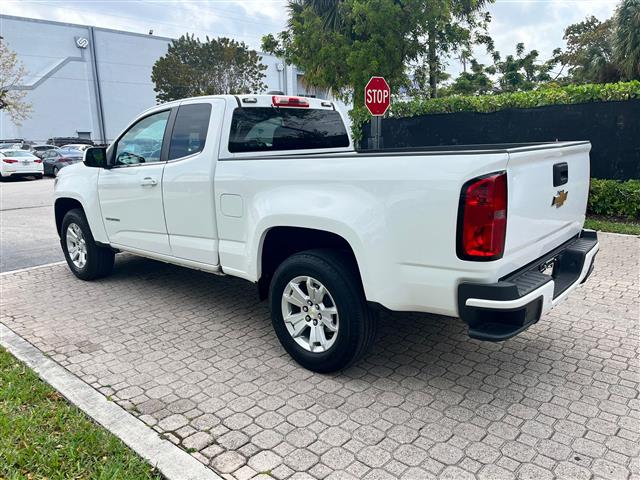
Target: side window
x: 143, y: 141
x: 190, y: 130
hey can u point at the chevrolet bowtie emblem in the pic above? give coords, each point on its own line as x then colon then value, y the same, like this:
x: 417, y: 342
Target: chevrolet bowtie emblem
x: 559, y: 199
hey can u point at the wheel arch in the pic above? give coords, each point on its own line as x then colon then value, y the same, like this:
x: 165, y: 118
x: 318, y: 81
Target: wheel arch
x: 62, y: 206
x: 280, y: 242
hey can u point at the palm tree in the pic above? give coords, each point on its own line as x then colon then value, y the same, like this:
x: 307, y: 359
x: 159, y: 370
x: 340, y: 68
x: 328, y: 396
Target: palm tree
x: 626, y: 38
x: 328, y: 10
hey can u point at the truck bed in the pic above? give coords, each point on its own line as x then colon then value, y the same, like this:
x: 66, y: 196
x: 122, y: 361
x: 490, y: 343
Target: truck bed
x: 488, y: 148
x: 476, y: 148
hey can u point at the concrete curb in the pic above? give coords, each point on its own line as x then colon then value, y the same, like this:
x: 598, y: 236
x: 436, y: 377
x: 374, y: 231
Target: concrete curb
x: 173, y: 462
x: 28, y: 269
x: 600, y: 232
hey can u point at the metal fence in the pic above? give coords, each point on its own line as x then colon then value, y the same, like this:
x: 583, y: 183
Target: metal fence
x: 613, y: 128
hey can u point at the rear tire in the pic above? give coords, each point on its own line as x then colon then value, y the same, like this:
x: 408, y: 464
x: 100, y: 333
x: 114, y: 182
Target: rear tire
x: 85, y: 258
x: 334, y: 285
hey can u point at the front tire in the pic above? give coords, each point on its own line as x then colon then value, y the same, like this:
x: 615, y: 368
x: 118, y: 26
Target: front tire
x: 85, y: 258
x: 319, y: 311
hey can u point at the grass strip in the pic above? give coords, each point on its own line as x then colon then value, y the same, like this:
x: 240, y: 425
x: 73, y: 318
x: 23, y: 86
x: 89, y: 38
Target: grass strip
x: 612, y: 225
x: 43, y: 436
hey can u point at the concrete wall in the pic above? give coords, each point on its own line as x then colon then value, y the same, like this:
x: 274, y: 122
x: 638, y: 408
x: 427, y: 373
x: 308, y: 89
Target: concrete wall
x: 59, y: 81
x: 124, y: 64
x: 62, y: 89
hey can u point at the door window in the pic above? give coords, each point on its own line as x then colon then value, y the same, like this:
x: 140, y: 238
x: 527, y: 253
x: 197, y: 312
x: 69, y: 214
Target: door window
x: 190, y: 130
x: 142, y: 143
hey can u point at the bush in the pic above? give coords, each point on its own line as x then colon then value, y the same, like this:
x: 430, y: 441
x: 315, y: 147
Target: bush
x: 614, y: 198
x: 550, y: 94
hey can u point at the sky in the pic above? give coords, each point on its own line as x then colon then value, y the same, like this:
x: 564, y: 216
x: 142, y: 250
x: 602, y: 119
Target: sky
x: 538, y: 23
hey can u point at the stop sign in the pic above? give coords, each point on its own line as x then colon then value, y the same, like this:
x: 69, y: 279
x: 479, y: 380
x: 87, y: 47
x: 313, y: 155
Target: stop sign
x: 377, y: 96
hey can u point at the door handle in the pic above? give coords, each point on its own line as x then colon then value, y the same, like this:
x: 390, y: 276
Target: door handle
x: 148, y: 182
x: 560, y: 174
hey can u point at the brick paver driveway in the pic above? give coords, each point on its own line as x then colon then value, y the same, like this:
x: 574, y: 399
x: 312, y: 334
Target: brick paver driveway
x: 195, y: 357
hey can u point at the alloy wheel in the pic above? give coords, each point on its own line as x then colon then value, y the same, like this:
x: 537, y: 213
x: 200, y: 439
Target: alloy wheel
x: 76, y: 246
x: 310, y: 314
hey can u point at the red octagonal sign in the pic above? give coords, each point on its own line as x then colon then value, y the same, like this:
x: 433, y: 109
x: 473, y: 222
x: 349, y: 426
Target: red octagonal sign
x: 377, y: 96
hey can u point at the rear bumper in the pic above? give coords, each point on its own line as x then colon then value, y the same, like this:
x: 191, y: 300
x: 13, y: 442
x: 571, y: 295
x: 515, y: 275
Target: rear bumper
x: 29, y: 173
x: 501, y: 310
x: 20, y: 170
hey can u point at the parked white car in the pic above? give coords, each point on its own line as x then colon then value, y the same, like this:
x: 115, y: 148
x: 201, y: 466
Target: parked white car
x: 269, y: 189
x: 19, y: 163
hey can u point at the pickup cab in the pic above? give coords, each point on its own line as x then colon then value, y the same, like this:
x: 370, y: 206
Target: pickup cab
x: 270, y: 189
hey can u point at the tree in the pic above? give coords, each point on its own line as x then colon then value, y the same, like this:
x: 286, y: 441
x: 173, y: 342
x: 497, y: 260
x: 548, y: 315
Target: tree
x: 217, y: 66
x: 475, y: 81
x: 522, y: 71
x: 626, y: 39
x: 454, y: 26
x: 340, y: 44
x: 12, y: 73
x: 589, y: 53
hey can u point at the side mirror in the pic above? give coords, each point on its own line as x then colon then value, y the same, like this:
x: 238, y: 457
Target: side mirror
x: 96, y: 157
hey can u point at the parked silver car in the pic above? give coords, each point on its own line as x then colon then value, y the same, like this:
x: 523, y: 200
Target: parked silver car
x: 38, y: 150
x: 55, y: 160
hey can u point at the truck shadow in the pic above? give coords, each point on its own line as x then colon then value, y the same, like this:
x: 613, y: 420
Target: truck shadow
x: 411, y: 349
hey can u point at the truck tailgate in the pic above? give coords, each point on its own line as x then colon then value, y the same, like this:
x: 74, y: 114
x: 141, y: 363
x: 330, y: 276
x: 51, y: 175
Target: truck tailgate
x: 548, y: 188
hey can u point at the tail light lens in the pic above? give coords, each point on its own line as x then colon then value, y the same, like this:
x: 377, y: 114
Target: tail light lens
x: 9, y: 160
x: 278, y: 101
x: 37, y: 160
x: 482, y: 218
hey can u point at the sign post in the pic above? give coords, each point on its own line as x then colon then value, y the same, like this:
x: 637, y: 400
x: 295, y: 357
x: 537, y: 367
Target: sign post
x: 377, y: 99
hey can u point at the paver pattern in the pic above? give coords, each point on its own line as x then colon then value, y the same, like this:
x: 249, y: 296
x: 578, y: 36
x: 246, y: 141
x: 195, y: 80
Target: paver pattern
x: 194, y: 356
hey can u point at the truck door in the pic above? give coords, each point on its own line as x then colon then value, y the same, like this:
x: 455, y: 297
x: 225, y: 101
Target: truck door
x: 130, y: 192
x: 188, y: 180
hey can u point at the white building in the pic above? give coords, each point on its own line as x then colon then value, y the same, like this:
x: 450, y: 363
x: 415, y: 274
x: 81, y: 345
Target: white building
x: 90, y: 81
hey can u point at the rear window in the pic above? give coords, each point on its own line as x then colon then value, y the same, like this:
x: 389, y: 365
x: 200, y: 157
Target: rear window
x: 260, y: 129
x: 17, y: 153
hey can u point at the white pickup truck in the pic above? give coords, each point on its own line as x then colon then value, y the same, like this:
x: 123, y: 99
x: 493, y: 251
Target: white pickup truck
x: 270, y: 189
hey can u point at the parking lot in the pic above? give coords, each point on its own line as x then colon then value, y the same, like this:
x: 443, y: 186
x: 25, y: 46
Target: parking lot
x: 27, y: 227
x: 194, y: 356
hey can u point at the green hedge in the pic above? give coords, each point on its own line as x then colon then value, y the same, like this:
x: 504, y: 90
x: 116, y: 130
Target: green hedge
x: 551, y: 94
x: 613, y: 198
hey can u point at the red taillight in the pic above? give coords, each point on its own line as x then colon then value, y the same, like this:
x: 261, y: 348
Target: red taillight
x: 278, y: 101
x: 9, y: 160
x: 37, y: 160
x: 482, y: 218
